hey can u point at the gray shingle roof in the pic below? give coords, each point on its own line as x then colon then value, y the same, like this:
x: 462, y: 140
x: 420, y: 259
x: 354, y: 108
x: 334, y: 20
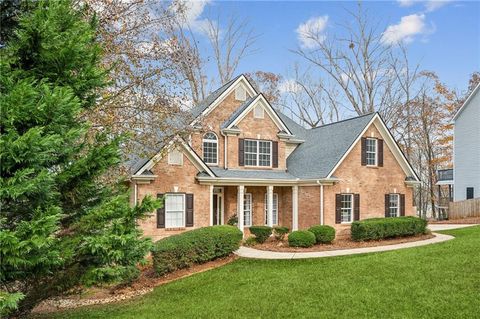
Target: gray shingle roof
x: 324, y: 146
x: 262, y: 174
x: 202, y: 106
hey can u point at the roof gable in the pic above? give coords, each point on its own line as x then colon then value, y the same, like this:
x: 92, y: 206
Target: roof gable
x: 467, y: 101
x: 248, y: 106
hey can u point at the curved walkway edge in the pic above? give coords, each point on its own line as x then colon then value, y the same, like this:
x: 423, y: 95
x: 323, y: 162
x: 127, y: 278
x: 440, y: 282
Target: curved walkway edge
x: 263, y: 254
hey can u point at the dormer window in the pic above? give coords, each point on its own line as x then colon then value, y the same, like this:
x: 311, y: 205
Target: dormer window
x: 210, y: 148
x: 258, y: 112
x: 240, y: 93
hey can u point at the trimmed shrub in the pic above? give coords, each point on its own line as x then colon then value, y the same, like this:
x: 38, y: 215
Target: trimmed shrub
x: 380, y: 228
x: 280, y: 232
x: 261, y: 233
x: 323, y: 234
x: 194, y: 247
x: 250, y: 241
x: 301, y: 238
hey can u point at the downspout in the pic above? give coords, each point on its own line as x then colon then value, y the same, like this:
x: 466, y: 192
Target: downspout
x: 321, y: 204
x: 135, y: 194
x: 225, y: 144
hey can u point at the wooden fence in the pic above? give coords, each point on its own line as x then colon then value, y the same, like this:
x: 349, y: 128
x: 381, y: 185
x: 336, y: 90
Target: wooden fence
x: 464, y: 209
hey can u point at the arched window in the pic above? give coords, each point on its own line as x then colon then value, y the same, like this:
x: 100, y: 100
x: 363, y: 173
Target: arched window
x: 210, y: 148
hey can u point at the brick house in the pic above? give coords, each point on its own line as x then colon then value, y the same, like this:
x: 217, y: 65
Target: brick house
x: 257, y: 164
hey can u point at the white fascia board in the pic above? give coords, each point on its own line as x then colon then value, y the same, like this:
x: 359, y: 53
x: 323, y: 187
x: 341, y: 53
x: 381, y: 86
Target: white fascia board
x: 192, y: 156
x: 270, y: 111
x: 388, y: 138
x: 470, y: 97
x: 214, y: 104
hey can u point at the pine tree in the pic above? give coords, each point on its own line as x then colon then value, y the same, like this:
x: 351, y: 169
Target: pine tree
x: 61, y: 225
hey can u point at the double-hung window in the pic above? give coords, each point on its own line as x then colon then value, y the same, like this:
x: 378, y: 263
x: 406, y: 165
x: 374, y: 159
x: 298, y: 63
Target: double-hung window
x: 210, y: 148
x: 371, y: 151
x: 274, y: 209
x: 247, y: 210
x: 394, y: 205
x: 346, y: 210
x: 258, y: 153
x: 174, y: 210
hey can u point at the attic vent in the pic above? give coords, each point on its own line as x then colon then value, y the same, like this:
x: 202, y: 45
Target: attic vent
x: 175, y: 157
x: 240, y: 93
x: 258, y: 112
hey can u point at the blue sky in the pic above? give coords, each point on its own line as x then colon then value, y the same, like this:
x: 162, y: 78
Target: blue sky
x: 443, y: 37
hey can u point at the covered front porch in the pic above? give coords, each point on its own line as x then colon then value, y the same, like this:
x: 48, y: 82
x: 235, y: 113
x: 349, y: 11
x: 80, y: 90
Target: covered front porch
x: 250, y: 205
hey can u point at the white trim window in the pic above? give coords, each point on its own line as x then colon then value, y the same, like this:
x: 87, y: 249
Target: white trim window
x: 346, y: 209
x: 174, y: 210
x: 210, y: 148
x: 372, y: 151
x: 274, y: 210
x: 247, y: 210
x: 175, y: 157
x: 394, y: 205
x: 258, y: 153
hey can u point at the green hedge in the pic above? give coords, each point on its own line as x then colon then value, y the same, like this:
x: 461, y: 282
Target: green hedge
x: 261, y: 232
x: 301, y: 238
x: 323, y: 234
x: 194, y: 247
x: 380, y: 228
x: 280, y: 232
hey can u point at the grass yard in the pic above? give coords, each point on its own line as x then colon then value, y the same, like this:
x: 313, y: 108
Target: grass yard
x: 437, y: 281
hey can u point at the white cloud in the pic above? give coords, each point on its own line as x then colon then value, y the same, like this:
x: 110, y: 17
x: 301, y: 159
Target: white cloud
x: 311, y: 32
x: 405, y: 3
x: 289, y: 86
x: 433, y: 5
x: 405, y: 30
x: 191, y: 11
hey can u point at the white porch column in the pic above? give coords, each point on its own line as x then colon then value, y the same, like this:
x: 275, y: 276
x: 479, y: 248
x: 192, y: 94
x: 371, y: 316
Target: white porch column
x: 270, y: 206
x: 240, y: 199
x: 294, y: 207
x: 211, y: 205
x: 321, y: 205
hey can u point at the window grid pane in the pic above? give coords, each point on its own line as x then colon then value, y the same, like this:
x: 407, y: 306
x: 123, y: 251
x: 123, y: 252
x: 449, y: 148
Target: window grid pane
x: 247, y: 210
x: 210, y: 148
x: 371, y: 151
x: 274, y: 210
x: 393, y: 205
x: 250, y: 155
x: 346, y: 208
x: 264, y: 149
x: 174, y: 211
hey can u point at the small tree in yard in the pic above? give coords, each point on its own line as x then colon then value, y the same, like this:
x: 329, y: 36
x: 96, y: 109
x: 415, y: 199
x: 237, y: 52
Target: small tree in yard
x: 61, y: 224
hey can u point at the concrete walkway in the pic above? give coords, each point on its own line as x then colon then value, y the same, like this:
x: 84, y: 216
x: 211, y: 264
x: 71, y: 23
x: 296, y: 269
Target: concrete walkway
x: 263, y: 254
x: 438, y: 227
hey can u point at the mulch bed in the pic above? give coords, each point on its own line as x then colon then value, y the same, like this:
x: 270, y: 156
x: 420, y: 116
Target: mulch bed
x: 282, y: 246
x: 470, y: 220
x: 144, y: 284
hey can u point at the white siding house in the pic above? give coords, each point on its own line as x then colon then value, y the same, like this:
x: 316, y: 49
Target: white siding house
x: 466, y: 153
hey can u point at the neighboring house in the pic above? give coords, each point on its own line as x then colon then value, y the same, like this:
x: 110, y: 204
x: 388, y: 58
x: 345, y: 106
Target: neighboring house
x: 250, y: 155
x: 466, y: 149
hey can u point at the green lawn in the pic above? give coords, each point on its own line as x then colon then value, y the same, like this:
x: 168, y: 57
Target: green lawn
x: 436, y: 281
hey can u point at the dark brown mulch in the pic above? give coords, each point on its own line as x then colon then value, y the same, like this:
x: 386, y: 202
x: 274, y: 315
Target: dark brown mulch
x: 144, y: 284
x: 469, y: 220
x: 338, y: 244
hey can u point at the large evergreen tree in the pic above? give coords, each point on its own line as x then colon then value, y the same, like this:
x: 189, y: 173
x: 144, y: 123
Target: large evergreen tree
x: 61, y: 224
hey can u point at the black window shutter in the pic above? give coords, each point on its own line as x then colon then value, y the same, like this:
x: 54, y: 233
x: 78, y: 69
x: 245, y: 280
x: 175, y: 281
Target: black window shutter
x: 240, y: 152
x: 338, y: 208
x: 161, y: 212
x: 364, y: 151
x: 380, y: 152
x: 402, y: 204
x: 189, y: 210
x: 356, y: 207
x: 274, y: 154
x: 387, y: 205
